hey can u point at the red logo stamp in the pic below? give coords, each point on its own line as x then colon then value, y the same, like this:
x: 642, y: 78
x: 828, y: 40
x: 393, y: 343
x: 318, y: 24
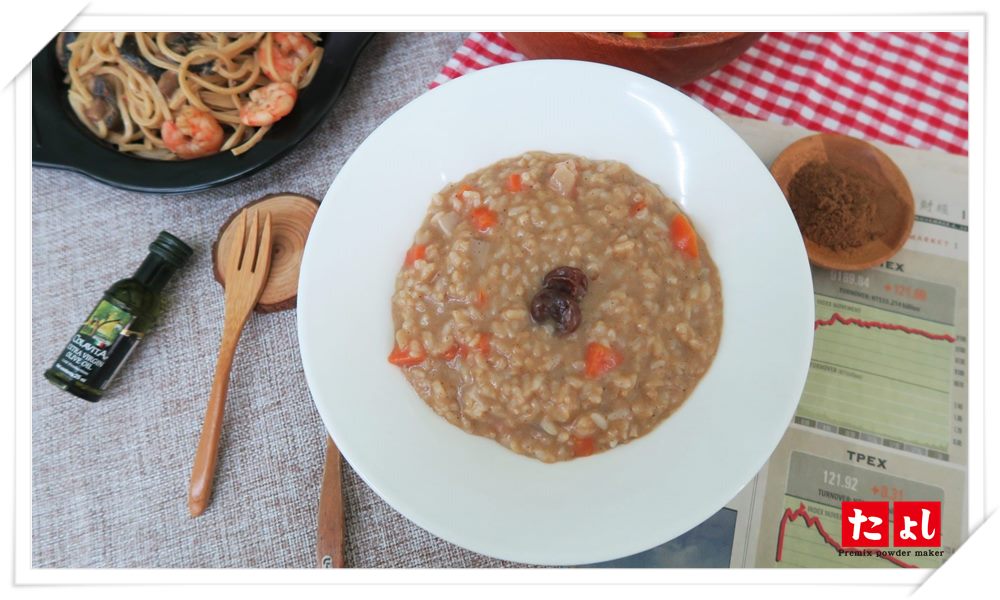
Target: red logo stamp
x: 916, y: 524
x: 864, y: 525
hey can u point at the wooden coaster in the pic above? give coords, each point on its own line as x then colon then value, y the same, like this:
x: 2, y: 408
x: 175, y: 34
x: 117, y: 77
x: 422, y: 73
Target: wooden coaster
x: 291, y: 218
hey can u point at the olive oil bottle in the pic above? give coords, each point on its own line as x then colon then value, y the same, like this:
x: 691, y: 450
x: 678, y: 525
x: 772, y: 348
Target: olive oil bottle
x: 126, y: 312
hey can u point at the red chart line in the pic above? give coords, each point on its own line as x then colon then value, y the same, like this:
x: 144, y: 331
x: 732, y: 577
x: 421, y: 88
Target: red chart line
x: 813, y: 521
x: 837, y: 318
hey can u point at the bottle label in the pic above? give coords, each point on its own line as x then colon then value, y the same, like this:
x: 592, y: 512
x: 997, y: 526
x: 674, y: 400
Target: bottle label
x: 99, y: 347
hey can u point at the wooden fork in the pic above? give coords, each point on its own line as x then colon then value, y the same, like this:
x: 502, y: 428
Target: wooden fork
x: 247, y: 267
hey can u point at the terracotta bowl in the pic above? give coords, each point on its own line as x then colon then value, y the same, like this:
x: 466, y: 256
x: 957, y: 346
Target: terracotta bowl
x: 674, y: 61
x: 859, y: 155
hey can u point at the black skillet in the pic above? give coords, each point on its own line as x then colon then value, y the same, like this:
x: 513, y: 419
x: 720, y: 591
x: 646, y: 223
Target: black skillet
x: 60, y: 141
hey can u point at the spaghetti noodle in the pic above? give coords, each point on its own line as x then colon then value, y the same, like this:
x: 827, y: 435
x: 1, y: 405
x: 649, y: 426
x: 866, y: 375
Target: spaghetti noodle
x: 169, y: 96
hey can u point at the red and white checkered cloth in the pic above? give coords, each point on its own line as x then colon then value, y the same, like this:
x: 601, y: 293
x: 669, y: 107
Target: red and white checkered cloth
x: 902, y: 88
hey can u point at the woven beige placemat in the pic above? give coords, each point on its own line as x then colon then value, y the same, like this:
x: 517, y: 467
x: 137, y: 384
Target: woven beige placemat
x: 109, y: 480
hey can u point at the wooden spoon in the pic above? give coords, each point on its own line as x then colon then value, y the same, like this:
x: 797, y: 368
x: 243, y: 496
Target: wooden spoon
x: 248, y: 260
x: 330, y: 526
x: 858, y: 155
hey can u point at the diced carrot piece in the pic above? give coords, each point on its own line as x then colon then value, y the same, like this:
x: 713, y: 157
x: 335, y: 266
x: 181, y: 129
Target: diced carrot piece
x: 637, y: 208
x: 583, y: 446
x: 402, y: 358
x: 483, y: 344
x: 481, y: 299
x: 514, y: 182
x: 415, y: 253
x: 483, y: 219
x: 456, y: 350
x: 683, y: 236
x: 600, y: 359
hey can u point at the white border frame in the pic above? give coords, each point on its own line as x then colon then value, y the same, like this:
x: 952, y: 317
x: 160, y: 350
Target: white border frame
x: 103, y: 16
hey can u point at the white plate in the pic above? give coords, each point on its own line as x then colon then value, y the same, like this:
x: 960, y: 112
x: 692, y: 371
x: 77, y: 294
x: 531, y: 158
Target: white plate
x: 469, y: 490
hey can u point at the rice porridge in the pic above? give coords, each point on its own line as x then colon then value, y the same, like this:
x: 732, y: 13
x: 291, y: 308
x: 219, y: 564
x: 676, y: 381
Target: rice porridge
x: 558, y: 305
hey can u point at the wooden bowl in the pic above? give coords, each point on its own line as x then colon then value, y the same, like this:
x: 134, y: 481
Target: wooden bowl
x: 674, y: 61
x: 848, y: 152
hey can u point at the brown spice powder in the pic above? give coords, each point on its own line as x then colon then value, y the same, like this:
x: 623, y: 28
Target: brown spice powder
x: 838, y: 207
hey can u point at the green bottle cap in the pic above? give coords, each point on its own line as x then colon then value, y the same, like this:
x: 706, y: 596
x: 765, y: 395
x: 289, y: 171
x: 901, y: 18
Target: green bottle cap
x: 171, y: 249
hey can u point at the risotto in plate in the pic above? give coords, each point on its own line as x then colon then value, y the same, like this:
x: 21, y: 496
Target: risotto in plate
x: 558, y: 305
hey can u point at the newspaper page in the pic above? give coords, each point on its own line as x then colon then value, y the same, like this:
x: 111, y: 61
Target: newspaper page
x: 883, y: 413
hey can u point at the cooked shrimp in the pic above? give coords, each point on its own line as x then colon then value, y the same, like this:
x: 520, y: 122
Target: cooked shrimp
x: 287, y: 51
x: 268, y: 104
x: 192, y: 133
